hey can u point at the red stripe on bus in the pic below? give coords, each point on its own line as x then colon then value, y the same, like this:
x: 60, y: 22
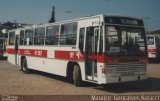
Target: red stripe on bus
x: 152, y: 50
x: 100, y: 58
x: 74, y: 55
x: 10, y: 51
x: 33, y: 52
x: 67, y: 55
x: 29, y: 52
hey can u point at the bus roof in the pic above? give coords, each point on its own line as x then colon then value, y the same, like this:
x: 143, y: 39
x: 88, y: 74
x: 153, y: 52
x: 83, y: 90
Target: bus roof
x: 72, y: 20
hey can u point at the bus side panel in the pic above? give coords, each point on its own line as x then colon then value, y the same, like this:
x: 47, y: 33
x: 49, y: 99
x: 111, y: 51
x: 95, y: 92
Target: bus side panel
x: 52, y: 66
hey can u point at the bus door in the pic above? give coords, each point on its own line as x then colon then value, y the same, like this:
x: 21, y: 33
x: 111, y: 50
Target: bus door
x: 16, y: 46
x: 91, y: 53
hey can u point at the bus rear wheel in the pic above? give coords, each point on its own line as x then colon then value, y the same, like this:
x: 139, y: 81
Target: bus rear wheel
x: 24, y: 66
x: 77, y: 76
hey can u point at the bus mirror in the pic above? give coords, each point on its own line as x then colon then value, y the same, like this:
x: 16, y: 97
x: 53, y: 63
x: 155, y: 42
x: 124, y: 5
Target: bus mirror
x: 90, y: 31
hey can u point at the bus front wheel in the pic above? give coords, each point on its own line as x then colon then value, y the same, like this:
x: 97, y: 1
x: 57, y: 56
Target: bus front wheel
x: 77, y: 76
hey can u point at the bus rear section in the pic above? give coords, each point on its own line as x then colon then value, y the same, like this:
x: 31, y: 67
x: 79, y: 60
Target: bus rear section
x: 153, y: 44
x: 99, y: 49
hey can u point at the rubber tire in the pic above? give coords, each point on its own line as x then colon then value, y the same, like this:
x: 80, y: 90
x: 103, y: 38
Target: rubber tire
x: 77, y: 76
x: 24, y: 66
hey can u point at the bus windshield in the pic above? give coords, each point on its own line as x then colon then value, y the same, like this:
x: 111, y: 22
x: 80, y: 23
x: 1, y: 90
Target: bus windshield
x: 125, y: 41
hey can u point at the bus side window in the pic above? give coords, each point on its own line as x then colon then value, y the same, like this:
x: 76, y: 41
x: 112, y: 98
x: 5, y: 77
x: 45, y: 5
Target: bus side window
x: 68, y: 34
x: 11, y: 38
x: 29, y: 37
x: 21, y: 37
x: 52, y: 35
x: 39, y: 36
x: 81, y: 39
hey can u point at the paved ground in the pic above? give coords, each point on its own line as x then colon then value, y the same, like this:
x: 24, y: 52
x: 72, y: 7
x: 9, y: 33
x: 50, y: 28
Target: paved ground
x: 15, y: 82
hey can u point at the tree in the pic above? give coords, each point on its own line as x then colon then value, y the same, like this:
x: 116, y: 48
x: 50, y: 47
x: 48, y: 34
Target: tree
x: 52, y: 20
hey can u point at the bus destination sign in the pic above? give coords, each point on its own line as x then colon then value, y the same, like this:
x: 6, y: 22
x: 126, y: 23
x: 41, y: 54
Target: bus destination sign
x: 123, y: 21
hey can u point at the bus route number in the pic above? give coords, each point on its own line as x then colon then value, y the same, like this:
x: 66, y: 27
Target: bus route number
x: 38, y: 53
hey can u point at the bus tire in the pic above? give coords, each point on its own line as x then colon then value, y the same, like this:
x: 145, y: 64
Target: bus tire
x: 24, y: 66
x: 77, y: 76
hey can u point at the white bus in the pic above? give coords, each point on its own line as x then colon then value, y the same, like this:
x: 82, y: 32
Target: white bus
x: 153, y: 43
x: 99, y: 49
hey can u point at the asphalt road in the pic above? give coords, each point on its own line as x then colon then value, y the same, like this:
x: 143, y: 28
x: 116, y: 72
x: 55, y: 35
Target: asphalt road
x: 15, y: 82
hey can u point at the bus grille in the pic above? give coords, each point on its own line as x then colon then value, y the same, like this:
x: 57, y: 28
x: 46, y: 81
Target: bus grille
x: 126, y: 68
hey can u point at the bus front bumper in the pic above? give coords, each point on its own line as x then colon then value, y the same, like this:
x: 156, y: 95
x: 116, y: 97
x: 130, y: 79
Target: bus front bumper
x: 121, y: 79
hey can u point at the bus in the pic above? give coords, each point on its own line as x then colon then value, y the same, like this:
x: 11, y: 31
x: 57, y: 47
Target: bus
x: 153, y: 44
x: 101, y: 49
